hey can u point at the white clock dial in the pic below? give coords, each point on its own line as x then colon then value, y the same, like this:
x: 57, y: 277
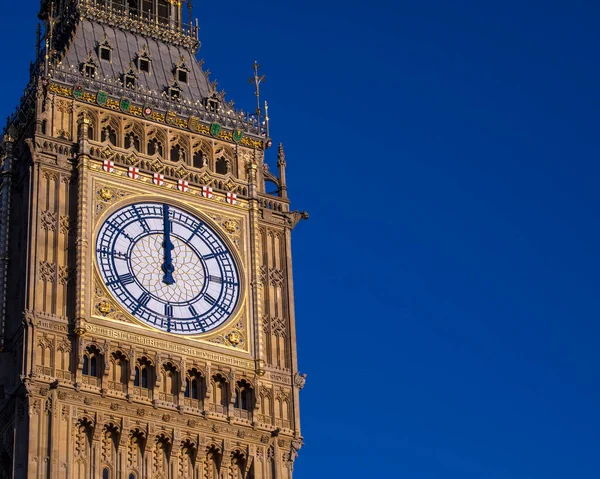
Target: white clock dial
x: 168, y: 268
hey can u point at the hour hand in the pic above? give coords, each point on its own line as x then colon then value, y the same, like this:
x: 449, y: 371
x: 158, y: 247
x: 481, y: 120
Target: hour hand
x: 167, y: 266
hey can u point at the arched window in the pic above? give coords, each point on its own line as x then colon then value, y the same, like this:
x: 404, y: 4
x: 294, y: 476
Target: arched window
x: 93, y: 368
x: 132, y: 141
x: 109, y: 134
x: 119, y: 372
x: 170, y: 382
x: 132, y: 476
x: 91, y: 362
x: 222, y: 166
x: 143, y: 374
x: 194, y: 389
x: 243, y: 396
x: 198, y: 159
x: 155, y: 147
x: 86, y: 365
x: 220, y: 394
x: 145, y: 377
x: 105, y: 473
x: 191, y: 388
x: 177, y: 153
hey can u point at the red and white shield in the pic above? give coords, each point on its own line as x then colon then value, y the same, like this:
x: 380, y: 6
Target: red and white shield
x: 108, y: 166
x: 183, y: 185
x: 207, y: 192
x: 231, y: 198
x: 133, y: 173
x: 158, y: 179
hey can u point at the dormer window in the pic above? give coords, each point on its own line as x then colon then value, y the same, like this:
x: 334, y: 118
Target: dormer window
x: 105, y: 54
x: 144, y: 65
x: 105, y: 50
x: 130, y: 77
x: 213, y: 102
x: 174, y: 90
x: 89, y: 70
x: 89, y: 66
x: 129, y: 81
x: 181, y: 71
x: 144, y: 59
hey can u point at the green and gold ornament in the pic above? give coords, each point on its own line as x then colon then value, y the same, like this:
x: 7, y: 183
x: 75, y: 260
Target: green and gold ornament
x: 102, y: 97
x: 125, y: 104
x: 215, y: 129
x: 238, y: 135
x: 78, y: 91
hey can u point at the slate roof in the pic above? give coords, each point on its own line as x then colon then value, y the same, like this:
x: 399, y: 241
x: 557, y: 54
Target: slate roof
x: 126, y: 46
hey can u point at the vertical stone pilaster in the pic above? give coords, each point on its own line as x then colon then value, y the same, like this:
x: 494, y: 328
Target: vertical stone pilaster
x: 81, y: 242
x: 256, y: 289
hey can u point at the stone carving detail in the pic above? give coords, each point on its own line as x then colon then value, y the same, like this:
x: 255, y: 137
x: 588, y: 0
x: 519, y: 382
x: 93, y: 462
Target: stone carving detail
x: 47, y: 271
x: 67, y: 225
x: 299, y: 380
x: 276, y: 277
x: 48, y: 220
x: 106, y: 196
x: 65, y: 275
x: 263, y: 274
x: 278, y: 327
x: 266, y: 322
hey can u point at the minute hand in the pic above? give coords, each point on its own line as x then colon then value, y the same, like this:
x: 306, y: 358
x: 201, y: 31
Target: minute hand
x: 167, y: 266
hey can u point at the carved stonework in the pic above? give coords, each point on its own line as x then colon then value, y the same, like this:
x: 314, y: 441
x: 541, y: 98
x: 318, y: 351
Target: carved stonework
x: 48, y: 220
x: 47, y: 271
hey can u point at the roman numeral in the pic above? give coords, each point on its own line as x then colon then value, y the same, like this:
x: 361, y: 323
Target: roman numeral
x: 143, y: 301
x: 193, y: 311
x: 215, y: 279
x: 168, y: 310
x: 127, y: 278
x: 209, y: 299
x: 214, y: 255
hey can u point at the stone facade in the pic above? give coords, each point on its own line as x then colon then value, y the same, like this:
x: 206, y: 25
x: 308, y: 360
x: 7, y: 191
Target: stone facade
x: 219, y: 405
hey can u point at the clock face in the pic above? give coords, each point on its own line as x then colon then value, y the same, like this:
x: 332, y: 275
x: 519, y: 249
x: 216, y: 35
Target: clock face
x: 168, y: 268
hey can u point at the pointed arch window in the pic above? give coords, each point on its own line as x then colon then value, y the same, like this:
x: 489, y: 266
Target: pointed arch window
x: 199, y: 159
x: 132, y: 141
x: 222, y: 166
x: 243, y: 396
x: 144, y: 375
x: 178, y: 153
x: 109, y: 134
x: 155, y: 147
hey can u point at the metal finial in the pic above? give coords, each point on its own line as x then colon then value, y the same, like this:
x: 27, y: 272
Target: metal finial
x: 267, y: 118
x: 257, y: 80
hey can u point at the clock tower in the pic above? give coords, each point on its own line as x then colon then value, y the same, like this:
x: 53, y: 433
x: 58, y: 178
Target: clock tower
x: 147, y: 322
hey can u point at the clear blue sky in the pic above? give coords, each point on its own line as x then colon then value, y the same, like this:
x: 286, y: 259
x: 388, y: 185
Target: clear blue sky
x: 447, y: 282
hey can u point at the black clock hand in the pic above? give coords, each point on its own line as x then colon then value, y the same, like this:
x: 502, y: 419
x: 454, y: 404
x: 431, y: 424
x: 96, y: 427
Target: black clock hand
x: 167, y: 266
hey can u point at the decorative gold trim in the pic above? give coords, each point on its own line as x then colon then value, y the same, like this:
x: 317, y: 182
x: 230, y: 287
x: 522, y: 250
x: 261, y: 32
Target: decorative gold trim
x: 238, y: 321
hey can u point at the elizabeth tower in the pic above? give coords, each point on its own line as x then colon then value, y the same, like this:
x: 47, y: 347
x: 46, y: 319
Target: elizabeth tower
x: 147, y: 324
